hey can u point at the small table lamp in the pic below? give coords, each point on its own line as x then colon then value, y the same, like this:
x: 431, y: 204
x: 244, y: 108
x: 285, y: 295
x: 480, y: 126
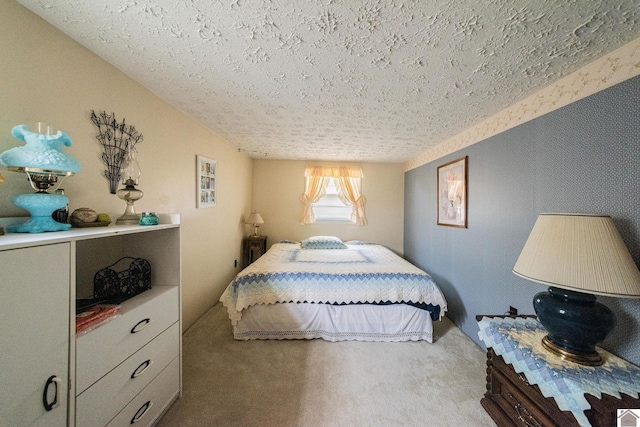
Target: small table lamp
x: 577, y: 255
x: 256, y: 220
x: 43, y: 161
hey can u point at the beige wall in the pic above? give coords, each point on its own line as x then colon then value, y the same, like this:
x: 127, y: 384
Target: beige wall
x: 278, y: 184
x: 46, y: 76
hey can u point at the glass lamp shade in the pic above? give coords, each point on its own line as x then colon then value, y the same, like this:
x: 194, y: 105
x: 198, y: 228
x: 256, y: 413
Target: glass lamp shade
x: 130, y: 167
x: 43, y: 160
x: 41, y: 151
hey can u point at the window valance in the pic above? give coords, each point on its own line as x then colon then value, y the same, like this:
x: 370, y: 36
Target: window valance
x: 334, y: 171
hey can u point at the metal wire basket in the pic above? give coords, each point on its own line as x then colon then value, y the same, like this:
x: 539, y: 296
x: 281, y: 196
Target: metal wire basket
x: 113, y: 286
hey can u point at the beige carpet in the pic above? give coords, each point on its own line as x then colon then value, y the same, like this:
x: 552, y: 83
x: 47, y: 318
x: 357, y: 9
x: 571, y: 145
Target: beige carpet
x: 318, y: 383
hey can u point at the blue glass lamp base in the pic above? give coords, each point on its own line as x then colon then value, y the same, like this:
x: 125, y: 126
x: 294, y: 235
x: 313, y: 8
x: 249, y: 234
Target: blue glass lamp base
x: 575, y: 323
x: 40, y: 206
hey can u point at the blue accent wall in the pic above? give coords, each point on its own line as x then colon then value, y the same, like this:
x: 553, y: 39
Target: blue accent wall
x: 582, y: 158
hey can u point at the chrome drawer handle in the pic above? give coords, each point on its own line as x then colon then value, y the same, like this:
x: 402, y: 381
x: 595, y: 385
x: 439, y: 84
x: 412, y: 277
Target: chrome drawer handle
x: 140, y: 325
x: 57, y: 383
x: 141, y: 368
x: 141, y: 412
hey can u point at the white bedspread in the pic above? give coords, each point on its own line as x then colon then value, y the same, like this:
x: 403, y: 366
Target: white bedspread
x: 363, y: 273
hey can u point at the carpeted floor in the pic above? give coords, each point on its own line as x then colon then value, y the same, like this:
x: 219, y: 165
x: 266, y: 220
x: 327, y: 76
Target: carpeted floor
x: 318, y: 383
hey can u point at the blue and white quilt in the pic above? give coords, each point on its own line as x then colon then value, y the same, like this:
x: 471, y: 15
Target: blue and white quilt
x: 361, y: 274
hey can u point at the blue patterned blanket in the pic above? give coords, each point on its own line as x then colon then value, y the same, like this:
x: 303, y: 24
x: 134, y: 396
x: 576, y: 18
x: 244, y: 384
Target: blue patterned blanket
x: 360, y: 274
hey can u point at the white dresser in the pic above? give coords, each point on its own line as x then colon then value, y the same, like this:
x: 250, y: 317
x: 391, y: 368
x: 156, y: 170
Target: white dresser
x: 123, y: 372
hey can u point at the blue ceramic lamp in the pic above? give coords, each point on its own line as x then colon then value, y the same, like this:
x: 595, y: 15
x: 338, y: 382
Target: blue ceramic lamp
x: 43, y: 160
x: 577, y: 255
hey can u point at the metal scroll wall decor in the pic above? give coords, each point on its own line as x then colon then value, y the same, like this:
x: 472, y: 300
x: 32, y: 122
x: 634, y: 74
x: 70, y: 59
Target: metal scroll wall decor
x: 117, y: 141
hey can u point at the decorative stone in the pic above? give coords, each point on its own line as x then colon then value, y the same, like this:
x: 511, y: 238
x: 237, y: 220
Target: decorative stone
x: 84, y: 215
x: 103, y: 217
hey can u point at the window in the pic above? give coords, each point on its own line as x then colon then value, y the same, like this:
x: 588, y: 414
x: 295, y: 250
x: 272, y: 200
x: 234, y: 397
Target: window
x: 334, y: 191
x: 330, y: 207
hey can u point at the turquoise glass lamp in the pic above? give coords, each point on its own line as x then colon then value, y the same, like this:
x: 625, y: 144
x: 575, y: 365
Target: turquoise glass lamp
x: 43, y: 161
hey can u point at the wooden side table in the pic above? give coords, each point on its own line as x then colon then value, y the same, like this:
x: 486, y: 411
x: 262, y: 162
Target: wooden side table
x: 253, y: 247
x: 514, y: 395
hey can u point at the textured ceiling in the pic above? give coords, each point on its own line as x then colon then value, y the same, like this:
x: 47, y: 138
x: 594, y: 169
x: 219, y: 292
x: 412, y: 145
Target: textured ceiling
x: 377, y: 80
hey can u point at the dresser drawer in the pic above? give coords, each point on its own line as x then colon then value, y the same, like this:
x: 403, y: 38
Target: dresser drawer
x: 142, y: 318
x: 97, y: 405
x: 147, y: 406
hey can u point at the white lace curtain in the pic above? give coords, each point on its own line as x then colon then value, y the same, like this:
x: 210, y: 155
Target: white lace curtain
x: 348, y: 181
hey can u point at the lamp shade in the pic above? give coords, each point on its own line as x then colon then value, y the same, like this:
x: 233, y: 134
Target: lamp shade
x: 579, y: 252
x: 41, y: 152
x: 254, y: 219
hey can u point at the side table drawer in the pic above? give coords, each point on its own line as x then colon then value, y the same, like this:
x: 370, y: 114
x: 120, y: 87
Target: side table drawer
x: 516, y: 405
x: 143, y: 318
x: 97, y: 405
x: 147, y: 406
x: 528, y: 399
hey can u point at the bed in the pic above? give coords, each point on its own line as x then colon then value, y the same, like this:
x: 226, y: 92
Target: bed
x: 325, y: 288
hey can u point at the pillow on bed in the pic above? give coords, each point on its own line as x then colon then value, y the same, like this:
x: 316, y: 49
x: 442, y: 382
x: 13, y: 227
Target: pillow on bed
x: 359, y: 242
x: 323, y: 242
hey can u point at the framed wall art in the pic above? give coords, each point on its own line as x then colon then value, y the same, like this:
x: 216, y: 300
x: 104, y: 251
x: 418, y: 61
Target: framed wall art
x: 452, y: 193
x: 207, y: 169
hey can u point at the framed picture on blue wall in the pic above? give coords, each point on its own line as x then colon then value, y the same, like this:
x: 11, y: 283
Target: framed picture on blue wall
x: 452, y: 193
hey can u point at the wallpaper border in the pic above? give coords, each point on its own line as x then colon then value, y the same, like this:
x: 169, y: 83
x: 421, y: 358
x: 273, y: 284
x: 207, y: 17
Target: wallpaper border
x: 616, y: 67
